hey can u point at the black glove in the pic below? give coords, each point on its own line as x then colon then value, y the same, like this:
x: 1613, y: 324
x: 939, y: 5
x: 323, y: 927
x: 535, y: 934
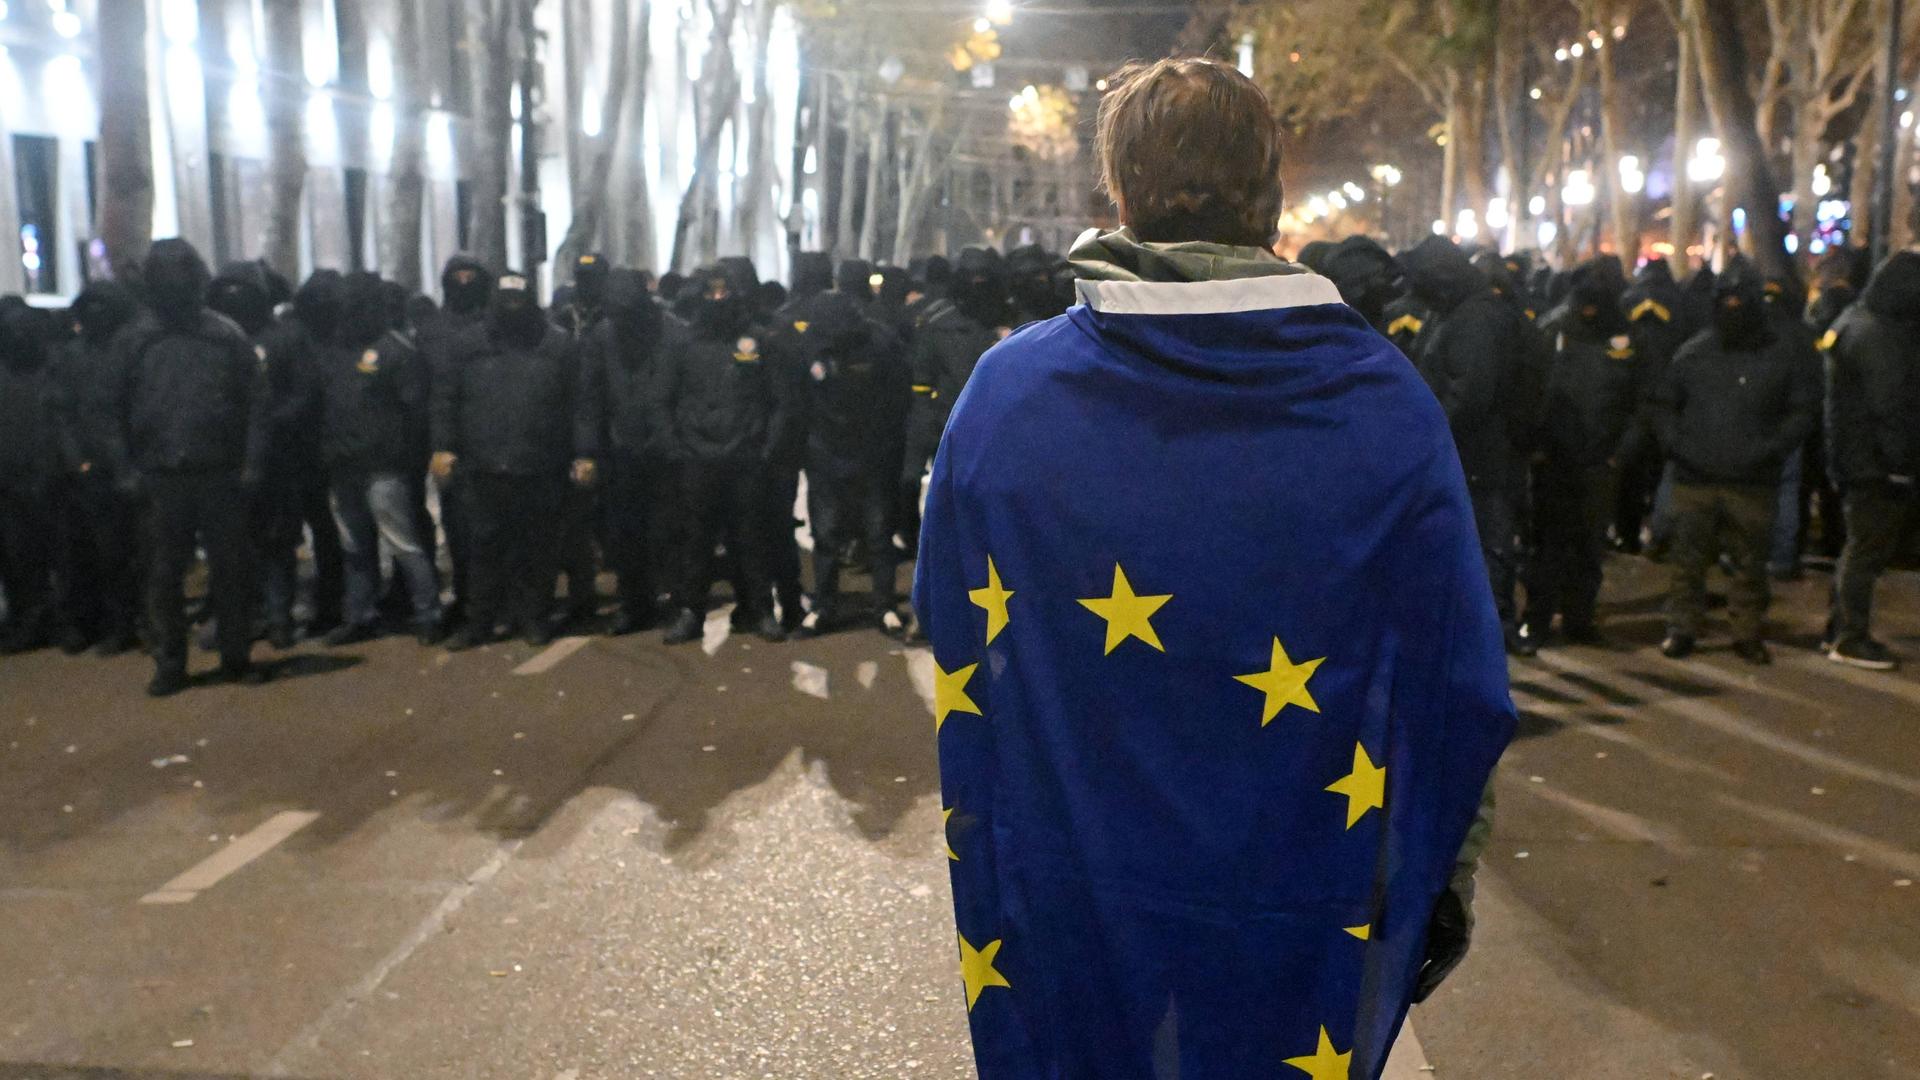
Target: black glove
x: 1448, y: 934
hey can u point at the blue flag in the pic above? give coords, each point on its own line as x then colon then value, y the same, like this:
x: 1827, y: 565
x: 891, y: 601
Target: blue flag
x: 1219, y: 684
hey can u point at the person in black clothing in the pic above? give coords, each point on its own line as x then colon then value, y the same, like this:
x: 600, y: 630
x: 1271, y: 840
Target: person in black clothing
x: 97, y: 546
x: 29, y: 469
x: 1734, y: 404
x: 466, y: 285
x: 1593, y: 392
x: 785, y: 454
x: 1839, y: 278
x: 578, y: 310
x: 1031, y: 286
x: 586, y: 302
x: 1651, y: 307
x: 853, y: 373
x: 720, y: 414
x: 373, y: 399
x: 620, y: 369
x: 1873, y: 438
x: 192, y: 399
x: 1363, y: 272
x: 949, y: 338
x: 1469, y: 350
x: 504, y: 418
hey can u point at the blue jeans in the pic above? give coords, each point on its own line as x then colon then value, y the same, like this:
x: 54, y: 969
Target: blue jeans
x: 1783, y: 549
x: 369, y: 508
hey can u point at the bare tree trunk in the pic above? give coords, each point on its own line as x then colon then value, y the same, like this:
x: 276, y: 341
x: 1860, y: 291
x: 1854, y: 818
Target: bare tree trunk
x: 1685, y: 226
x: 1750, y: 179
x: 125, y: 224
x: 406, y: 184
x: 1624, y: 218
x: 916, y: 193
x: 1807, y: 128
x: 632, y: 236
x: 876, y: 175
x: 1450, y: 154
x: 845, y: 239
x: 754, y: 195
x: 490, y: 24
x: 720, y: 84
x: 1471, y: 156
x: 285, y: 92
x: 593, y: 171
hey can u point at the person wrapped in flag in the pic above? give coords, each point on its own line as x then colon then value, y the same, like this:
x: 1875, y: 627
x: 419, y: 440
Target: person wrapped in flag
x: 1219, y: 683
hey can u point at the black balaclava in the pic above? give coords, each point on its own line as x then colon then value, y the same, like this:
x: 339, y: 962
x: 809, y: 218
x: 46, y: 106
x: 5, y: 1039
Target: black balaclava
x: 1740, y: 308
x: 812, y: 274
x: 25, y: 335
x: 102, y: 309
x: 394, y: 295
x: 934, y: 273
x: 721, y: 306
x: 241, y: 294
x: 317, y: 305
x: 894, y: 286
x: 979, y: 287
x: 590, y: 281
x: 768, y: 299
x: 1594, y: 300
x: 855, y: 278
x: 1894, y: 290
x: 176, y: 280
x: 1363, y: 272
x: 421, y: 309
x: 513, y: 313
x: 364, y: 317
x: 1030, y: 270
x: 636, y: 317
x: 465, y: 285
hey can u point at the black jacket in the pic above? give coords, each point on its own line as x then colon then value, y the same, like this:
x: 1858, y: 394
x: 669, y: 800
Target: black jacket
x: 1730, y: 410
x: 29, y: 449
x: 621, y: 360
x: 192, y: 397
x: 88, y: 412
x: 507, y: 401
x: 1873, y: 379
x: 373, y: 404
x: 947, y: 345
x: 1594, y: 391
x: 854, y: 375
x: 720, y: 400
x: 1470, y: 353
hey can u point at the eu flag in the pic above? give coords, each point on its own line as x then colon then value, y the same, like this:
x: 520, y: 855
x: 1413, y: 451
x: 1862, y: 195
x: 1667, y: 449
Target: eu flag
x: 1219, y: 684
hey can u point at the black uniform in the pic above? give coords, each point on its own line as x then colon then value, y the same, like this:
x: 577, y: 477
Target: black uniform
x: 465, y: 286
x: 1653, y: 307
x: 29, y: 469
x: 583, y: 311
x: 785, y: 455
x: 1873, y: 439
x: 506, y: 412
x: 948, y: 340
x: 98, y: 536
x: 1363, y: 272
x: 1593, y: 393
x: 720, y: 414
x: 193, y: 403
x: 621, y: 362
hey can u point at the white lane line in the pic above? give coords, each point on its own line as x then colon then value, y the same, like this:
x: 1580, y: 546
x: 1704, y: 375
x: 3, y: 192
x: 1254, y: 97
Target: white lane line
x: 1731, y: 723
x: 811, y: 680
x: 719, y: 627
x: 550, y: 657
x: 309, y: 1037
x: 209, y: 871
x: 1408, y: 1061
x: 1586, y: 725
x: 1846, y: 841
x: 920, y: 672
x: 1879, y: 682
x: 867, y: 673
x: 1619, y: 824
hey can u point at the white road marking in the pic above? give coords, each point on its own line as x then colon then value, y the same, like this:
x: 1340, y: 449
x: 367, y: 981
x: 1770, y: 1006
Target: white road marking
x: 867, y: 673
x: 1880, y: 682
x: 920, y: 671
x: 719, y: 627
x: 1731, y: 723
x: 1408, y: 1061
x: 1619, y: 824
x: 435, y: 922
x: 209, y: 871
x: 811, y: 680
x: 1585, y: 725
x: 1846, y: 841
x: 550, y: 657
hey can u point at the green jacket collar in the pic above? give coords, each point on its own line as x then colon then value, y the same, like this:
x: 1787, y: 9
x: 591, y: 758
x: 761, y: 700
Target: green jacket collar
x: 1120, y: 256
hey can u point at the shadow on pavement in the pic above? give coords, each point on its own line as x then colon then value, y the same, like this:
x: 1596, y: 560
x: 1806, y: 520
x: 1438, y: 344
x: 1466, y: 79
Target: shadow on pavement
x: 29, y: 1071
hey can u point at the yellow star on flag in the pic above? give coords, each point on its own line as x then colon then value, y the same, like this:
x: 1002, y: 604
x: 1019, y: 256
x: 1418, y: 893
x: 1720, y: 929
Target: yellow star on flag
x: 1363, y: 931
x: 976, y: 967
x: 950, y: 693
x: 993, y: 600
x: 1285, y: 683
x: 946, y: 816
x: 1365, y: 787
x: 1324, y: 1064
x: 1127, y: 615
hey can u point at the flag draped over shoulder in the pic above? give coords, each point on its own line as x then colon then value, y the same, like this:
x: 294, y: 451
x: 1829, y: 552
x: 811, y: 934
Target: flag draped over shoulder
x: 1219, y: 684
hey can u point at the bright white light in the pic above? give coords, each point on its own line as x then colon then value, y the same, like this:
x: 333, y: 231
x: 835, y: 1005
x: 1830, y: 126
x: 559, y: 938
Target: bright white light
x: 3, y: 9
x: 1620, y: 32
x: 440, y: 143
x: 982, y: 24
x: 1793, y: 244
x: 1439, y: 227
x: 1632, y: 180
x: 1465, y: 226
x: 380, y: 133
x: 1579, y: 189
x: 1576, y: 50
x: 1015, y: 102
x: 1816, y: 246
x: 323, y: 130
x: 244, y: 109
x: 380, y: 69
x: 1546, y: 233
x: 1354, y: 191
x: 183, y: 73
x: 1535, y: 94
x: 1031, y: 93
x: 1822, y: 183
x: 1906, y: 119
x: 1497, y: 213
x: 1317, y: 206
x: 1000, y: 12
x: 1560, y: 54
x: 1537, y: 205
x: 1101, y: 85
x: 590, y: 116
x: 1708, y: 165
x: 66, y: 24
x: 1386, y: 174
x: 811, y: 163
x: 179, y: 21
x: 1336, y: 200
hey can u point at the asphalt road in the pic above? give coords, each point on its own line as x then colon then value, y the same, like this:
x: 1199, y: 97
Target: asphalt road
x: 614, y: 860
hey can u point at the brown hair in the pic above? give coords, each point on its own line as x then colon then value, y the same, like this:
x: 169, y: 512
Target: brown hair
x: 1192, y: 149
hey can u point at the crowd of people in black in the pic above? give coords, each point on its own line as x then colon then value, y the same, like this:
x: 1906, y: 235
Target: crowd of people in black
x: 662, y: 426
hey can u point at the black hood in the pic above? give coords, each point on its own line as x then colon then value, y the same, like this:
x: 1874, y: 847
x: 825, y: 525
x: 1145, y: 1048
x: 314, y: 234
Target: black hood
x: 979, y: 287
x: 1657, y: 274
x: 730, y: 315
x: 840, y: 323
x: 242, y: 293
x: 1740, y: 308
x: 768, y: 299
x: 1440, y: 275
x: 742, y: 276
x: 465, y: 285
x: 176, y: 280
x: 812, y: 274
x: 317, y: 306
x: 513, y: 312
x: 26, y: 334
x: 894, y: 286
x: 590, y: 281
x: 1313, y: 256
x: 852, y: 278
x: 1030, y: 281
x: 364, y: 317
x: 631, y: 306
x: 1363, y: 272
x: 934, y: 274
x: 102, y: 309
x: 1894, y: 290
x: 1593, y: 302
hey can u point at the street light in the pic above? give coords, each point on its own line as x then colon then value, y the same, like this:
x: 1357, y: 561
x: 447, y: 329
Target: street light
x: 1387, y: 174
x: 1000, y: 12
x: 1537, y: 205
x: 1632, y: 180
x: 1708, y: 164
x: 1465, y: 226
x: 1579, y: 189
x: 1497, y: 217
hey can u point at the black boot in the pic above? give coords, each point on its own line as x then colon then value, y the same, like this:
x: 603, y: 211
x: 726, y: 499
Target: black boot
x: 687, y: 626
x: 167, y: 681
x: 1678, y: 646
x: 1753, y: 651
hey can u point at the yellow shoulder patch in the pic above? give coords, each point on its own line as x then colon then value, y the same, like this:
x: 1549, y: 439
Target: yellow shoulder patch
x: 1826, y: 341
x: 1409, y: 324
x: 1650, y: 307
x: 800, y: 327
